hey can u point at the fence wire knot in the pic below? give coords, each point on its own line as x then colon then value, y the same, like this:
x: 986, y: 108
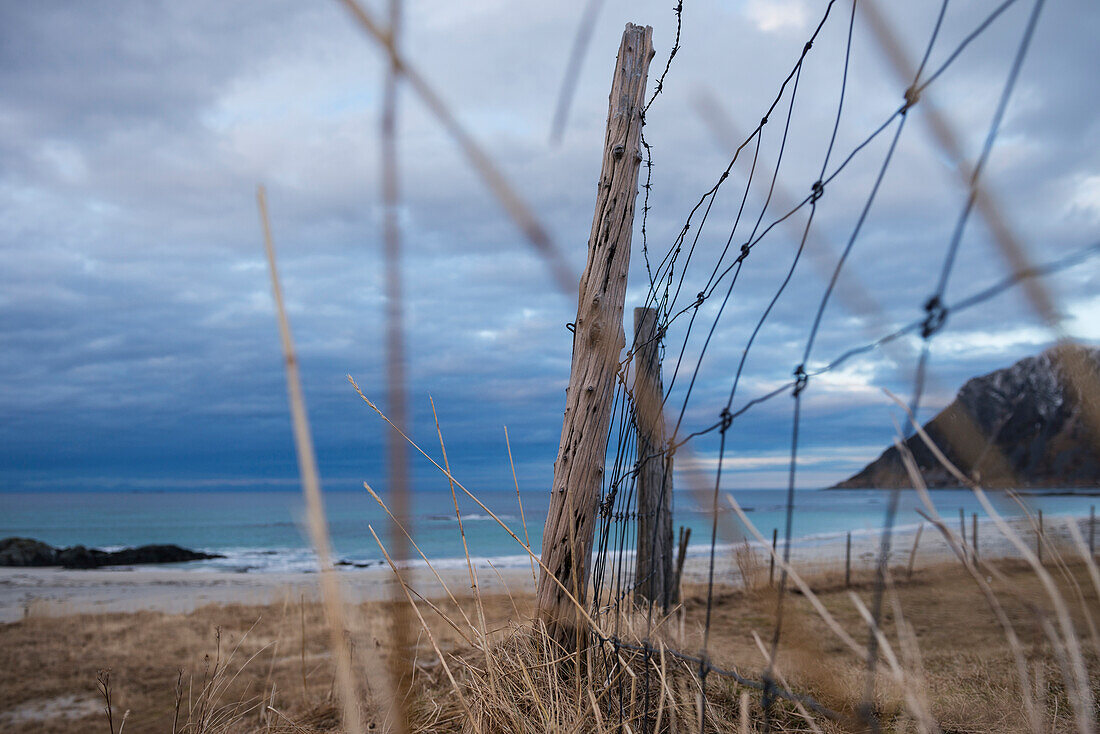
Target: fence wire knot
x: 800, y: 379
x: 571, y: 327
x: 699, y: 298
x: 935, y: 318
x: 745, y: 250
x: 727, y: 419
x: 768, y: 692
x: 912, y: 96
x: 605, y: 506
x: 704, y: 668
x: 816, y: 191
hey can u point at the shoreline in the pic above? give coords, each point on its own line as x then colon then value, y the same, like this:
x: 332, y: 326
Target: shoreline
x: 53, y: 591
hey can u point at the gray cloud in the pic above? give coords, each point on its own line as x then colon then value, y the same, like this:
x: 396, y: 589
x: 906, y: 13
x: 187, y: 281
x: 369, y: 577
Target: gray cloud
x: 135, y: 315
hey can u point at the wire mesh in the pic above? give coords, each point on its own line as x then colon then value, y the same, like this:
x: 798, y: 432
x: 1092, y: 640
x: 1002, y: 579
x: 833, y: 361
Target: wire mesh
x: 615, y: 599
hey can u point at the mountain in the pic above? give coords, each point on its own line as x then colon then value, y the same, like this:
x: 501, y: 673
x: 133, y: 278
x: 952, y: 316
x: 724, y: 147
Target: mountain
x: 1022, y: 426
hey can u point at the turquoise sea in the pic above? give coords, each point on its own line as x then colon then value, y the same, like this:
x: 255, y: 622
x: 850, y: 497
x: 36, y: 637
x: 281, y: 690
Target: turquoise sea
x: 263, y: 531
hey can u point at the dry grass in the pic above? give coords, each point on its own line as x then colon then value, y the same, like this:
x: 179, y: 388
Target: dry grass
x: 272, y: 669
x: 748, y: 564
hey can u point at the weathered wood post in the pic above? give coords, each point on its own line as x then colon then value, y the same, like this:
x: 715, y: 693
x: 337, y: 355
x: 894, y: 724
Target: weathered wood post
x: 681, y: 556
x: 848, y: 561
x: 597, y: 342
x: 1039, y: 538
x: 1092, y: 530
x: 962, y: 534
x: 913, y: 553
x: 771, y: 559
x: 653, y: 569
x: 974, y: 534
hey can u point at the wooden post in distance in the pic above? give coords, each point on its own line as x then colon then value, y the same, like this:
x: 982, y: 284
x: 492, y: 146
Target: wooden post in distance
x: 653, y: 568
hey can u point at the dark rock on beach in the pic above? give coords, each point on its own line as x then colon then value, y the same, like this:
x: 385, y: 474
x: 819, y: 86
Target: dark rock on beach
x: 28, y: 552
x: 1022, y: 426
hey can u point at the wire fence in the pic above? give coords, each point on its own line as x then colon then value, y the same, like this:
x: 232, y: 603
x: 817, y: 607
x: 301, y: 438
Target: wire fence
x: 620, y: 596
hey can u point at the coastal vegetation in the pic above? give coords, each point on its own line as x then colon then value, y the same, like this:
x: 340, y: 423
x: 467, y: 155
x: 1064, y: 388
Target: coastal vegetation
x: 236, y: 668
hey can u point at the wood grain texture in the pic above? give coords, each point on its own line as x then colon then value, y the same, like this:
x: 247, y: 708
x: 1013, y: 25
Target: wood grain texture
x: 597, y: 343
x: 653, y: 569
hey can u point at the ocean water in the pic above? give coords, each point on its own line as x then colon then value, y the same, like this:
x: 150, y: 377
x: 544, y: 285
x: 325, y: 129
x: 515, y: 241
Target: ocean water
x: 264, y: 531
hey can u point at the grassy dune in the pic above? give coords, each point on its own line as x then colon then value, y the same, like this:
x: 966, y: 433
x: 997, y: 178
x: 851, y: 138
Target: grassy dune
x: 269, y: 669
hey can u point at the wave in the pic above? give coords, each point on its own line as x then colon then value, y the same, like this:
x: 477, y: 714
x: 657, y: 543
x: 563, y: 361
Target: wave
x: 472, y: 517
x: 303, y: 560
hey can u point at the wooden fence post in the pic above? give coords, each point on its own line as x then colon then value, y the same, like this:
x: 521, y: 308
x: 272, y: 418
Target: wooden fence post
x: 962, y: 533
x: 1092, y: 530
x: 597, y: 342
x: 653, y: 569
x: 974, y: 534
x: 681, y: 556
x: 913, y: 553
x: 1039, y: 538
x: 771, y: 559
x: 848, y: 561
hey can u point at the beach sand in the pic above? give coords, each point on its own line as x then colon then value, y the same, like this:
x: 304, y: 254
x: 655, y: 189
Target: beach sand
x: 278, y: 654
x: 55, y: 591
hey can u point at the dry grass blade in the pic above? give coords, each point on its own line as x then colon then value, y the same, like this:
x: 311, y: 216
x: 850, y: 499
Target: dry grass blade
x: 949, y: 142
x: 987, y: 592
x: 595, y: 711
x: 311, y: 487
x: 517, y: 209
x: 822, y: 612
x: 427, y: 631
x: 573, y: 69
x: 1079, y: 687
x: 910, y: 649
x: 569, y: 595
x: 519, y: 499
x: 396, y: 389
x: 1083, y: 699
x: 1083, y: 550
x: 783, y: 682
x: 446, y: 589
x: 748, y: 565
x: 965, y: 435
x: 855, y: 296
x: 458, y: 514
x: 916, y: 703
x: 489, y: 667
x: 1012, y: 249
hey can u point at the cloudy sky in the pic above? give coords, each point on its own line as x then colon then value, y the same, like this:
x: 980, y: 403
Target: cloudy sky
x: 138, y: 345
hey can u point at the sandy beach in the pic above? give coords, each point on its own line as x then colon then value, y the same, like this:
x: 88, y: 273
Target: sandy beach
x: 56, y: 591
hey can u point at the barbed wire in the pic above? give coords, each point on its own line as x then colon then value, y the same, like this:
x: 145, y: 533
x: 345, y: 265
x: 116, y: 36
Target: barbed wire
x: 648, y: 185
x: 615, y: 576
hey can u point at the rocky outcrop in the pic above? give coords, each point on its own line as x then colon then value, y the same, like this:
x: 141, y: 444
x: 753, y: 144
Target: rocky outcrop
x: 28, y: 552
x: 1017, y: 427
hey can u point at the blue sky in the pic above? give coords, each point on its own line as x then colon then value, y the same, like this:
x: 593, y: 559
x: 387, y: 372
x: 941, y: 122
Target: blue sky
x: 138, y: 337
